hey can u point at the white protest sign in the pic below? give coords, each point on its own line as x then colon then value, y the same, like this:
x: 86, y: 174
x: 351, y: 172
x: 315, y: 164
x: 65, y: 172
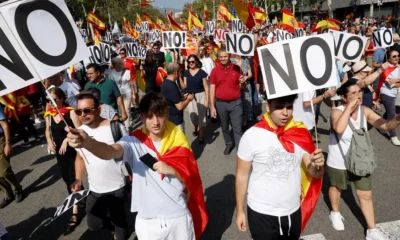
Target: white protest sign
x: 237, y: 25
x: 348, y: 47
x: 37, y: 39
x: 125, y: 39
x: 138, y: 28
x: 155, y: 36
x: 240, y: 43
x: 383, y: 38
x: 210, y: 28
x: 70, y: 201
x: 108, y: 36
x: 145, y: 26
x: 83, y: 32
x: 220, y: 35
x: 135, y: 51
x: 100, y: 54
x: 282, y: 35
x: 299, y: 32
x: 174, y: 39
x: 298, y: 65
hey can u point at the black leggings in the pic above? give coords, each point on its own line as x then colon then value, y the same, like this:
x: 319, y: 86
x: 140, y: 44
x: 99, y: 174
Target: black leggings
x: 264, y: 226
x: 26, y: 122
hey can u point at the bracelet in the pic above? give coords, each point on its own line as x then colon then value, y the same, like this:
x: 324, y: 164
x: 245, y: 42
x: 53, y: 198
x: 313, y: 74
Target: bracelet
x: 323, y: 96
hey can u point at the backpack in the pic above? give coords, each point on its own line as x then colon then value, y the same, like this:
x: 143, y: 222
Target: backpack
x: 360, y: 160
x: 117, y: 135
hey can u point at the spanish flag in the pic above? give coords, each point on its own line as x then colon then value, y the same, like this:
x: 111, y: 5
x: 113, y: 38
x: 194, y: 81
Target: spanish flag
x: 289, y: 22
x: 174, y: 25
x: 193, y: 20
x: 159, y: 24
x: 148, y: 19
x: 10, y: 104
x: 224, y: 14
x: 176, y: 152
x: 244, y: 11
x: 53, y: 112
x: 138, y: 19
x: 333, y: 24
x: 97, y: 37
x: 95, y: 21
x: 206, y: 14
x: 259, y: 15
x: 161, y: 75
x: 295, y: 132
x: 144, y: 3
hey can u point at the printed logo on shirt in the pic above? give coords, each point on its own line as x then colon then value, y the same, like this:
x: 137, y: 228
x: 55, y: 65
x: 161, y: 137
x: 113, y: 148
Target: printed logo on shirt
x: 280, y: 163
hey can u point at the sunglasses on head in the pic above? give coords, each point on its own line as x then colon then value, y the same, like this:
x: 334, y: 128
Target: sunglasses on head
x: 84, y: 111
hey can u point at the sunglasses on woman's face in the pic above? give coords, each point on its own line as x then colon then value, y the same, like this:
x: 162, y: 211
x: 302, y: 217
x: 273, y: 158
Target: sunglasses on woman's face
x: 85, y: 111
x: 395, y: 56
x: 122, y: 53
x: 191, y: 62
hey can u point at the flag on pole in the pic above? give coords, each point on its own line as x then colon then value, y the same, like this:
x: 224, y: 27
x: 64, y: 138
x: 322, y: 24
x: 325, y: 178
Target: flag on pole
x: 145, y: 3
x: 244, y: 11
x: 224, y: 13
x: 289, y: 22
x: 174, y: 25
x: 193, y: 20
x: 206, y: 14
x: 138, y: 19
x: 148, y: 19
x: 95, y: 21
x: 259, y: 15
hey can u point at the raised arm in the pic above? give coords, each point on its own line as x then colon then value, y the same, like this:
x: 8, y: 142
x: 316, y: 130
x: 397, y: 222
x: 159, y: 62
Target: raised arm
x: 378, y: 122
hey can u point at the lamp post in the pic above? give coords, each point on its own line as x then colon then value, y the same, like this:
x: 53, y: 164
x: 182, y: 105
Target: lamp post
x: 294, y: 2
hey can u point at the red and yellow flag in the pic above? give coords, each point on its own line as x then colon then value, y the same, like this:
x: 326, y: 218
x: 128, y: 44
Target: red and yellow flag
x: 289, y: 22
x: 159, y: 24
x: 206, y: 14
x: 161, y: 75
x: 144, y: 3
x: 95, y: 21
x: 174, y: 25
x: 244, y: 12
x: 148, y: 19
x: 53, y: 112
x: 259, y: 15
x: 224, y: 13
x: 176, y: 152
x: 333, y: 24
x: 297, y: 133
x: 138, y: 19
x: 10, y: 102
x: 193, y: 20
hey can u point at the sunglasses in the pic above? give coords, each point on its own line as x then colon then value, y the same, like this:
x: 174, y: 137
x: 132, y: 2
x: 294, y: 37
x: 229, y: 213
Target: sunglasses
x: 85, y: 111
x: 395, y: 56
x: 190, y: 62
x: 121, y: 53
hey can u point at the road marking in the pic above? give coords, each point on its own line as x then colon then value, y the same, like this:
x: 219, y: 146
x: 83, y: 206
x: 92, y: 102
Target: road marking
x: 318, y: 236
x: 391, y: 229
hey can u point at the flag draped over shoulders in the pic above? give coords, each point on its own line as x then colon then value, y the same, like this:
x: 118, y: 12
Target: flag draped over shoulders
x: 53, y: 112
x: 176, y: 152
x: 297, y: 133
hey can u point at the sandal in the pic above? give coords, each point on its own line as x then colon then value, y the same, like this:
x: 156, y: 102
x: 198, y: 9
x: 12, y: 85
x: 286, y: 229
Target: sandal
x: 72, y: 224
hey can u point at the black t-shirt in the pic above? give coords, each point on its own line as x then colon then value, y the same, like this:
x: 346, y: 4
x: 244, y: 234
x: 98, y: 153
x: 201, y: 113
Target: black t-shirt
x: 160, y: 59
x: 195, y: 82
x: 170, y: 90
x: 150, y: 71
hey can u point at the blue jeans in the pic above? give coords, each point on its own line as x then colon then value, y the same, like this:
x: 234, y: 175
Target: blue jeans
x: 4, y: 237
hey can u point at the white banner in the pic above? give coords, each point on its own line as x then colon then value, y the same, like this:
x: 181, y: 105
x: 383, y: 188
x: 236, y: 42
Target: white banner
x: 37, y: 39
x: 174, y: 40
x: 210, y: 28
x: 70, y: 201
x: 100, y: 54
x: 282, y: 35
x: 155, y: 36
x: 299, y: 65
x: 135, y: 51
x: 220, y: 35
x: 145, y: 26
x: 299, y: 32
x: 348, y: 47
x: 240, y: 43
x: 383, y: 38
x: 237, y: 26
x: 108, y: 37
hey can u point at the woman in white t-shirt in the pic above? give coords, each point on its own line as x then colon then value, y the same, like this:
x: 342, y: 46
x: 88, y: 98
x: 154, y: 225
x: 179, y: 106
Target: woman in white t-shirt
x: 339, y: 177
x: 206, y: 61
x: 388, y: 88
x: 122, y: 77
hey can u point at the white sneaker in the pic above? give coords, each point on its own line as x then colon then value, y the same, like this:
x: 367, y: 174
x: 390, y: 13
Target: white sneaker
x: 37, y: 120
x: 375, y: 234
x: 395, y: 141
x: 337, y: 221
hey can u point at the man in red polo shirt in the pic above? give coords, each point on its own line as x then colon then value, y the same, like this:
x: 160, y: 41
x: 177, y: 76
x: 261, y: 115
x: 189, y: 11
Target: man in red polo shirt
x: 225, y: 81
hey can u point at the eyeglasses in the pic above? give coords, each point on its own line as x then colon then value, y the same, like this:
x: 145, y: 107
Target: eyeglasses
x: 121, y: 53
x: 190, y: 62
x: 85, y: 111
x: 360, y: 92
x: 395, y: 56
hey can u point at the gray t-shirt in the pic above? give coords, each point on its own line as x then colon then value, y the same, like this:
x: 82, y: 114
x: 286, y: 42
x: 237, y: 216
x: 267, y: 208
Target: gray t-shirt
x: 107, y: 112
x: 151, y: 196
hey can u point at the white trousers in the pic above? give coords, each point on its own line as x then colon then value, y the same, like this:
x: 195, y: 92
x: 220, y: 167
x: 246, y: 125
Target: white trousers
x: 180, y: 228
x: 127, y: 97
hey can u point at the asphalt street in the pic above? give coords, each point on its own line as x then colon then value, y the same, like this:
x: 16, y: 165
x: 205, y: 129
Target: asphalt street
x: 41, y: 180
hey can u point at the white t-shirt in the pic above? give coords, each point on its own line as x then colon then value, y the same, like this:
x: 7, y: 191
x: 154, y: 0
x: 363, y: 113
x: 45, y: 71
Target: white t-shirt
x: 391, y: 92
x: 104, y: 175
x: 208, y: 65
x: 70, y: 91
x: 275, y: 180
x: 335, y: 157
x: 301, y: 113
x: 123, y: 83
x: 151, y: 196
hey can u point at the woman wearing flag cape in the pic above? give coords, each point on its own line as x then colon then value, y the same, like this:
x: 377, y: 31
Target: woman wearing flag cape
x: 280, y: 171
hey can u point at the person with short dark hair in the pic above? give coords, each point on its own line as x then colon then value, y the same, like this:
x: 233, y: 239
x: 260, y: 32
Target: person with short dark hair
x: 340, y: 142
x: 159, y: 56
x: 107, y: 111
x: 163, y: 170
x: 110, y: 93
x: 177, y: 102
x: 225, y: 98
x: 195, y: 81
x: 106, y: 182
x: 269, y: 173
